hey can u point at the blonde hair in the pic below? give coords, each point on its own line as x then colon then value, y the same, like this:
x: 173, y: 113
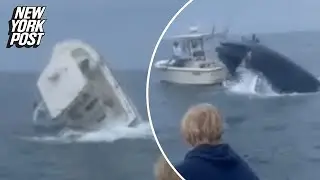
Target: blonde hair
x: 202, y: 124
x: 163, y: 170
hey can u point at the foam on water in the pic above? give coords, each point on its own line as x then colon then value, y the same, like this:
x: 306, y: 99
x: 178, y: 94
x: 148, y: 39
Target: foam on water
x: 250, y: 83
x: 108, y: 132
x: 104, y: 134
x: 37, y: 111
x: 116, y: 132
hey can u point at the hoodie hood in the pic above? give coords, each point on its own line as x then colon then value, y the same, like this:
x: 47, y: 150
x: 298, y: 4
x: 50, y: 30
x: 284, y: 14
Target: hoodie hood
x: 220, y: 156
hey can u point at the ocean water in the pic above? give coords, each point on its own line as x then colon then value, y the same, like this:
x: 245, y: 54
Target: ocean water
x: 277, y: 134
x: 35, y: 152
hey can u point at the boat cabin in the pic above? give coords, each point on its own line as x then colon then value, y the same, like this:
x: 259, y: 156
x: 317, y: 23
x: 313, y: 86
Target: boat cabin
x: 190, y: 46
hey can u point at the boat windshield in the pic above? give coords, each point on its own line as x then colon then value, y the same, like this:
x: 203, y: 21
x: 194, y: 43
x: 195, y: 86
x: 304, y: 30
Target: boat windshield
x: 189, y: 48
x: 197, y: 49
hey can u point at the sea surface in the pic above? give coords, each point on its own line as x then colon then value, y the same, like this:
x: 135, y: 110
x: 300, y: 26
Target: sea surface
x: 277, y: 134
x: 35, y: 152
x: 29, y: 151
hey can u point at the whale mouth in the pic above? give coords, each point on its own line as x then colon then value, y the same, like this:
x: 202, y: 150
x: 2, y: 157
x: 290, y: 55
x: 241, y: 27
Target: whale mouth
x: 232, y: 55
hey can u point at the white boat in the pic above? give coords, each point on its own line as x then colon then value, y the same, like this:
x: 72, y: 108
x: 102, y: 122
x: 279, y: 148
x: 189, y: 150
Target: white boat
x: 79, y: 90
x: 196, y: 67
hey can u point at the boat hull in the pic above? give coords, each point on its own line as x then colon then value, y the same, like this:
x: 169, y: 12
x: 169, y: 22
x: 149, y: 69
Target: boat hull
x: 191, y: 75
x: 85, y: 94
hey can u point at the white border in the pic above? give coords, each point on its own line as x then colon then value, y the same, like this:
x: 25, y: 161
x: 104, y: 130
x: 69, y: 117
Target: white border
x: 148, y: 83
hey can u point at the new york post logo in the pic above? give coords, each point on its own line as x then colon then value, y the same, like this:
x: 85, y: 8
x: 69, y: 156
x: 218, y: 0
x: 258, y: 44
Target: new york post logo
x: 26, y: 27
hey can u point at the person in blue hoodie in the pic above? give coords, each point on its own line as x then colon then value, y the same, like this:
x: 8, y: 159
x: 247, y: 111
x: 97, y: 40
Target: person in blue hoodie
x: 210, y: 158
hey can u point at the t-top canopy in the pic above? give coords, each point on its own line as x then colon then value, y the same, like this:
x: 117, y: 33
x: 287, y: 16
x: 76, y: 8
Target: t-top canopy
x: 190, y: 36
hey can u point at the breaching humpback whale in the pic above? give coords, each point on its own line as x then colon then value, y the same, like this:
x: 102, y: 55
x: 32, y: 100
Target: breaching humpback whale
x: 283, y: 74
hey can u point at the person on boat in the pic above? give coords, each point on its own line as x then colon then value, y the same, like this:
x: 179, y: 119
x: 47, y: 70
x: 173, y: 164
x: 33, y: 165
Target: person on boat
x: 255, y: 39
x: 210, y: 158
x: 177, y: 51
x: 179, y: 56
x: 163, y: 170
x: 197, y: 50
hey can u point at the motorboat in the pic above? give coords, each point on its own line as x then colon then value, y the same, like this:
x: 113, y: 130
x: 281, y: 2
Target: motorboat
x: 194, y: 66
x: 79, y: 90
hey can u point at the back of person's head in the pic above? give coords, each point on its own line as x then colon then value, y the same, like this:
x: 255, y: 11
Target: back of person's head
x: 163, y: 170
x: 202, y: 124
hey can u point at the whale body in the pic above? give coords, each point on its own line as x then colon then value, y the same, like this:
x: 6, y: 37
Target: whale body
x: 281, y: 72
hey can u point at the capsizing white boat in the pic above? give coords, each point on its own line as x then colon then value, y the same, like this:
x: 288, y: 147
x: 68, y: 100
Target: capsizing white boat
x: 196, y: 67
x: 79, y: 90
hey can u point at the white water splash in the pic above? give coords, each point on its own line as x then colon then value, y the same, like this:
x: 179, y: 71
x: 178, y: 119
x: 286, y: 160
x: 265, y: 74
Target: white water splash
x: 108, y: 132
x: 104, y: 134
x: 250, y: 83
x: 37, y: 111
x: 253, y: 84
x: 41, y: 117
x: 140, y: 131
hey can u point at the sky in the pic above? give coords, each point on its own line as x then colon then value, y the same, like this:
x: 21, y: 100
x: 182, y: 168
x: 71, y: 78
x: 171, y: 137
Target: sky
x: 123, y: 31
x: 126, y: 31
x: 246, y: 16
